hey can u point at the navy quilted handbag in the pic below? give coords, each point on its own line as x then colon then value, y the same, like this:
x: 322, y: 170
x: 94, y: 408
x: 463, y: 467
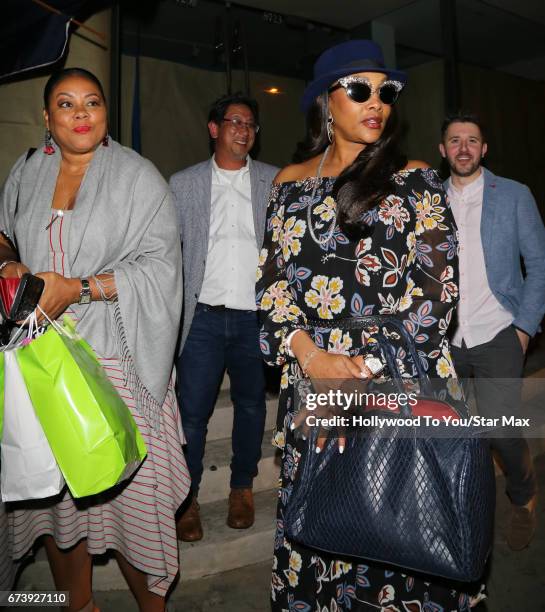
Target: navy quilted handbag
x: 421, y: 503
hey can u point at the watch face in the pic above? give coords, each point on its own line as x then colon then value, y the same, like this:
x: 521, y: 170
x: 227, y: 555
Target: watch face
x: 85, y: 293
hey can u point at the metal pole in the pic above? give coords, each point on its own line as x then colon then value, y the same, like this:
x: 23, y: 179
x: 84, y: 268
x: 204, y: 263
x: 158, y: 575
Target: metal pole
x: 227, y: 47
x: 244, y: 46
x: 452, y: 88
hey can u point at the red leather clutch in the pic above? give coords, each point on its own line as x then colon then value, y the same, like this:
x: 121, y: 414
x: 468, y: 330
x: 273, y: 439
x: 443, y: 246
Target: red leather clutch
x: 19, y: 296
x: 8, y: 290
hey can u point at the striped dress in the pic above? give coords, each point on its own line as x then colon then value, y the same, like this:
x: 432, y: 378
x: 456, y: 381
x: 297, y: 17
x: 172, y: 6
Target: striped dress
x: 136, y: 519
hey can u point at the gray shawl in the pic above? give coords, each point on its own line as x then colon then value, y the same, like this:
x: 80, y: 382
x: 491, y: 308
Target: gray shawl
x: 123, y: 222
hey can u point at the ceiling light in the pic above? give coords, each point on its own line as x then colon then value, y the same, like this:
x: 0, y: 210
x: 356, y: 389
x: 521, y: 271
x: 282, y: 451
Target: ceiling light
x: 273, y: 91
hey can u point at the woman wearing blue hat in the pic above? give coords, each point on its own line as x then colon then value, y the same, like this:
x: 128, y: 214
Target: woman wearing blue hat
x: 354, y: 229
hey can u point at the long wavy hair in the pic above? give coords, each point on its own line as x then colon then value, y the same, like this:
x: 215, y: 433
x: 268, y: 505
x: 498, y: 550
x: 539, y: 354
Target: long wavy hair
x: 368, y: 180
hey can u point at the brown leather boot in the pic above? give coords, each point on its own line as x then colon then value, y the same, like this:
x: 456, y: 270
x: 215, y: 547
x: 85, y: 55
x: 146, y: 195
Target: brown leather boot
x: 188, y: 526
x: 241, y: 509
x: 523, y: 525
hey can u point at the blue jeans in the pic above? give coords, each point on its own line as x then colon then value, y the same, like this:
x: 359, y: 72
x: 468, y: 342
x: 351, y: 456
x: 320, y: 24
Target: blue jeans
x: 218, y: 340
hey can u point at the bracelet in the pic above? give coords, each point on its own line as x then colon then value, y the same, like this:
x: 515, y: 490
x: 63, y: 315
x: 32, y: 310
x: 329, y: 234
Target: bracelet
x: 308, y: 358
x: 106, y: 287
x: 6, y: 263
x: 288, y: 342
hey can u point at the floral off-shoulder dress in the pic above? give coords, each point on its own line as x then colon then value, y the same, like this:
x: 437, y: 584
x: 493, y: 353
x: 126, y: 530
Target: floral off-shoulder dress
x: 406, y: 266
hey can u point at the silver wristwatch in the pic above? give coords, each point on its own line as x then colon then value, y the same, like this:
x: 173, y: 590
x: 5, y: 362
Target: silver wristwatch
x: 85, y: 293
x: 374, y: 364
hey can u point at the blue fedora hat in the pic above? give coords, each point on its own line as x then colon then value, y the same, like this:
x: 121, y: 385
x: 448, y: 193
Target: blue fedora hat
x: 344, y: 59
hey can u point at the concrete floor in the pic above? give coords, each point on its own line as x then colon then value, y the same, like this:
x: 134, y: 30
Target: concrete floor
x: 242, y: 590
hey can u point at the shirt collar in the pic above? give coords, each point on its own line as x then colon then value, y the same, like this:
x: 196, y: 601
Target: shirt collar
x: 468, y: 191
x: 242, y: 171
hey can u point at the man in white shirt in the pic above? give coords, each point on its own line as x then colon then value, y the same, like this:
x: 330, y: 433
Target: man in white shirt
x: 500, y: 308
x: 222, y: 211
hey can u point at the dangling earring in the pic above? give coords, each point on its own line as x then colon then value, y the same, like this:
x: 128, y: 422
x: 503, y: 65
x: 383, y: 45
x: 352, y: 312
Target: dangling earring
x: 330, y: 132
x: 49, y: 149
x: 106, y: 141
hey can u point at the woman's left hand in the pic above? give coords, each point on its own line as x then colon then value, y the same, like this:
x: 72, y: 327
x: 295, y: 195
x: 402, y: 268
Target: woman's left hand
x: 365, y: 371
x: 59, y: 292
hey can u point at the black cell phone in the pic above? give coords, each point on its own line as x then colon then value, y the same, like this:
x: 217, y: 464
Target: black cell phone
x: 27, y: 297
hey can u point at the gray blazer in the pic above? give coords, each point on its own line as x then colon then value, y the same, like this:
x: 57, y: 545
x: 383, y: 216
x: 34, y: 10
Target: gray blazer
x: 192, y: 191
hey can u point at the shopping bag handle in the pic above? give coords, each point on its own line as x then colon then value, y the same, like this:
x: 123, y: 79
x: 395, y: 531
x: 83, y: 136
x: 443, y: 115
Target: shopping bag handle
x: 61, y: 329
x: 33, y: 326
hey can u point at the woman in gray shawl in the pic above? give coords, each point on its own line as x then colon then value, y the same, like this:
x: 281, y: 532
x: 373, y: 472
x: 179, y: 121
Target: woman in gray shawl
x: 95, y: 221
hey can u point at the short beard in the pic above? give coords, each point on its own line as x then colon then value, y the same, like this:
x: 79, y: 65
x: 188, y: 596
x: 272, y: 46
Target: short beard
x: 471, y: 170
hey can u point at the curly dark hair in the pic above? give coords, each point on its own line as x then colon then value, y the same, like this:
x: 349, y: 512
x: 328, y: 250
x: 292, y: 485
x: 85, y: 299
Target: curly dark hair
x: 369, y: 178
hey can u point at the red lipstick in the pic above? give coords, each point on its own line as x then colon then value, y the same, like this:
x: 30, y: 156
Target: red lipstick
x: 373, y: 123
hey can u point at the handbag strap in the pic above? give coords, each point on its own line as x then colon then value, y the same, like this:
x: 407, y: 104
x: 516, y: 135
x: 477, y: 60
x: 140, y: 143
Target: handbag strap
x: 388, y: 351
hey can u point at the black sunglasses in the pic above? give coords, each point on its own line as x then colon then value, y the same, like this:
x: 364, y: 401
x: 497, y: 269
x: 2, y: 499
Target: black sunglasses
x: 359, y: 89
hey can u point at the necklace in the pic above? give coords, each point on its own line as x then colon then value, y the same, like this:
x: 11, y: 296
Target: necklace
x: 327, y: 236
x: 60, y: 211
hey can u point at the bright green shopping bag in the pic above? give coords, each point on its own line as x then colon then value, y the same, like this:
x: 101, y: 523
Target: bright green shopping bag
x: 90, y: 430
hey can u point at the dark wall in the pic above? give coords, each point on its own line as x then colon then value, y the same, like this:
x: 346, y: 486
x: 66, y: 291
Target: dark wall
x: 513, y: 110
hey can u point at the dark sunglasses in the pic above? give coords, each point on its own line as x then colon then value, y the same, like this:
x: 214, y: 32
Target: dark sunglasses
x: 359, y: 89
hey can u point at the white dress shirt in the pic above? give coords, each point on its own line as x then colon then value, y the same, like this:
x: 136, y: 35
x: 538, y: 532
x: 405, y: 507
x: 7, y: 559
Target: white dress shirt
x: 232, y: 259
x: 480, y: 315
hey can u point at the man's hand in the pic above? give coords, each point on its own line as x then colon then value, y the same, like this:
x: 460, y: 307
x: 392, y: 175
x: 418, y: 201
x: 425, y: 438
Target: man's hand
x: 524, y: 340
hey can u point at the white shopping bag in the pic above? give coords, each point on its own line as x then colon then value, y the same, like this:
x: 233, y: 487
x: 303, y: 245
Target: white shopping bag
x: 28, y: 469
